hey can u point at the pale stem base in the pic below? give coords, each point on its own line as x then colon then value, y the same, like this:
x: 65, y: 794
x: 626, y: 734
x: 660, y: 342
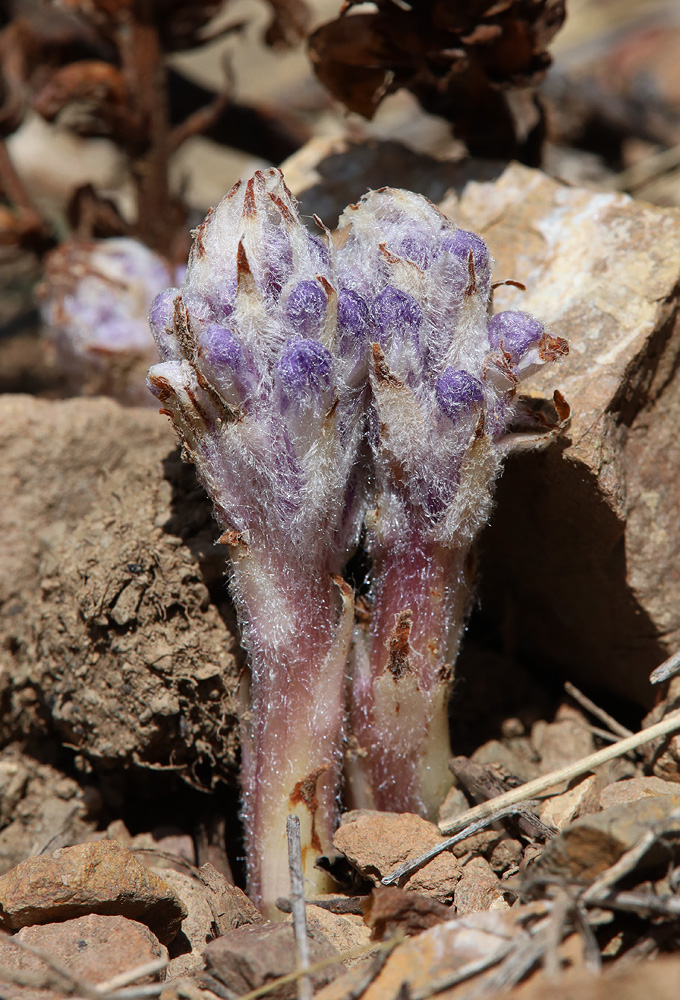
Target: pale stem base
x: 298, y: 639
x: 402, y: 680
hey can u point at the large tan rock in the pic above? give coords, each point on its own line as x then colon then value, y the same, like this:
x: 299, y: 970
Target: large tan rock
x: 99, y: 877
x: 583, y: 555
x: 592, y: 843
x: 108, y: 627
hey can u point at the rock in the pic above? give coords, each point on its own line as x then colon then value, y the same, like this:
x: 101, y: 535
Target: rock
x: 654, y: 980
x: 440, y: 951
x: 667, y: 764
x: 479, y: 843
x: 251, y: 956
x: 391, y: 910
x: 506, y: 857
x: 591, y: 844
x: 40, y: 808
x: 521, y: 764
x: 633, y: 789
x: 158, y: 842
x: 453, y: 805
x: 93, y: 948
x: 101, y: 877
x: 168, y: 840
x: 560, y: 810
x: 105, y: 608
x: 230, y: 906
x: 592, y: 521
x: 561, y: 743
x: 186, y: 950
x: 344, y: 931
x: 478, y: 889
x: 376, y: 844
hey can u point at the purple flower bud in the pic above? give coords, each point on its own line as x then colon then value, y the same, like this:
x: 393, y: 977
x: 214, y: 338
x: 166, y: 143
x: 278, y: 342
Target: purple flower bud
x: 319, y: 252
x: 306, y: 308
x: 457, y: 392
x: 416, y: 249
x: 353, y: 316
x: 221, y: 348
x: 279, y: 263
x: 161, y: 321
x: 304, y: 366
x: 514, y: 332
x: 395, y: 314
x: 95, y: 299
x: 459, y: 245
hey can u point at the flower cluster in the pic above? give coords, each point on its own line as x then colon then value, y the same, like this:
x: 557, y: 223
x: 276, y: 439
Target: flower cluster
x: 322, y: 383
x: 443, y: 379
x: 95, y: 299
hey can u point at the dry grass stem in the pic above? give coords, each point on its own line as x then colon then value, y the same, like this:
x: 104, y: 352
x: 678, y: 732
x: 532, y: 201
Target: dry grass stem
x: 541, y: 785
x: 595, y: 710
x: 669, y: 668
x: 444, y: 845
x: 297, y: 899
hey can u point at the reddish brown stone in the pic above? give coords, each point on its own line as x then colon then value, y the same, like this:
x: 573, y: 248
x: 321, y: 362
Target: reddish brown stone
x: 100, y: 877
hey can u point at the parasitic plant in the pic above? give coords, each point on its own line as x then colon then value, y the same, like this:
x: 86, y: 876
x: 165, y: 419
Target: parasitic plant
x: 95, y: 297
x: 318, y: 383
x: 264, y: 376
x: 443, y: 377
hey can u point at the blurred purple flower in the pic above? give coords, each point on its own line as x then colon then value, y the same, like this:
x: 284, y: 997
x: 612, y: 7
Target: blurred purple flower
x: 95, y: 299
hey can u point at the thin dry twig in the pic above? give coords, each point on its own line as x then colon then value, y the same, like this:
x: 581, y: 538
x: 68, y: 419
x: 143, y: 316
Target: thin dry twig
x: 297, y: 898
x: 538, y: 786
x: 591, y: 948
x: 528, y: 948
x: 123, y: 979
x: 599, y: 713
x: 469, y: 831
x: 460, y: 975
x: 629, y: 861
x: 669, y: 668
x: 642, y: 903
x: 374, y: 969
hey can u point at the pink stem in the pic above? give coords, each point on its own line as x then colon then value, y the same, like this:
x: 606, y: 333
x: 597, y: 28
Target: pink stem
x: 403, y: 671
x: 298, y: 644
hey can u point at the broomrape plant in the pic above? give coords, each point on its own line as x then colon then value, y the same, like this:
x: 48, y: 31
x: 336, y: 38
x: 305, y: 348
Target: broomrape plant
x: 320, y: 383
